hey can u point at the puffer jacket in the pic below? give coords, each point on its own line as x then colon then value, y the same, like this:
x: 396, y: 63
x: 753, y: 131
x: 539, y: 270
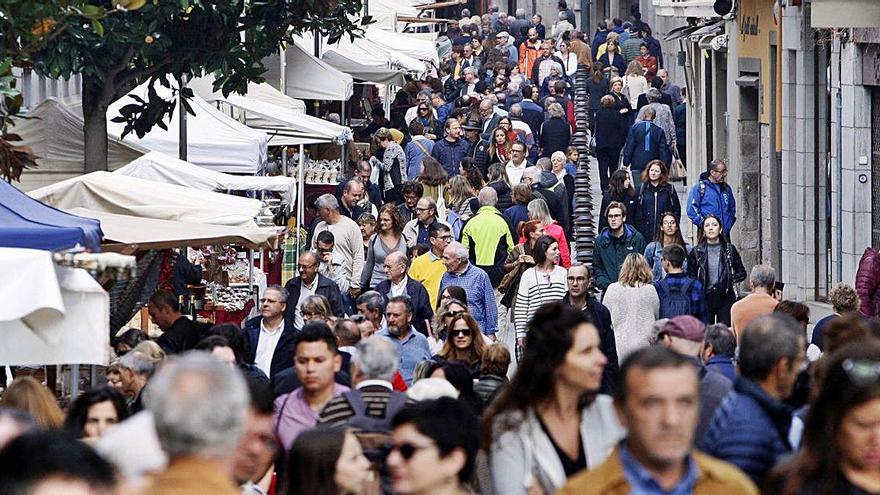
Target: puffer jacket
x: 730, y: 271
x: 655, y: 201
x: 504, y: 195
x: 708, y: 197
x: 868, y: 283
x: 750, y: 430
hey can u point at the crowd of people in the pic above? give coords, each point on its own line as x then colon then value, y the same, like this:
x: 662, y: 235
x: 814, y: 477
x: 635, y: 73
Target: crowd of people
x: 438, y: 335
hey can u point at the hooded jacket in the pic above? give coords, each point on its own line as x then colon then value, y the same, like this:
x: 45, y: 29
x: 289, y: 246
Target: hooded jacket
x: 611, y: 251
x: 707, y: 197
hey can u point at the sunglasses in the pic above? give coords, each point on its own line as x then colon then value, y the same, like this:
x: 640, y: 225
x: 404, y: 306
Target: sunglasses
x: 408, y: 450
x: 861, y: 373
x: 455, y: 313
x: 460, y: 333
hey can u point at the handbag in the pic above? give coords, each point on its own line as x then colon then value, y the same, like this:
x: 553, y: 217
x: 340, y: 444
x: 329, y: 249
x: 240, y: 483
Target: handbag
x: 677, y: 170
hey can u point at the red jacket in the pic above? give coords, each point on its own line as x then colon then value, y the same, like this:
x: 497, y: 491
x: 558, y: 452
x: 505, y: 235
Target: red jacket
x: 868, y: 283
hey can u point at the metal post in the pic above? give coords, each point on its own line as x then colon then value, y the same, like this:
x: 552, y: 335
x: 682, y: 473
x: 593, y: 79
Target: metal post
x: 181, y: 114
x: 284, y: 71
x: 284, y: 161
x: 300, y: 197
x: 93, y: 376
x: 250, y: 255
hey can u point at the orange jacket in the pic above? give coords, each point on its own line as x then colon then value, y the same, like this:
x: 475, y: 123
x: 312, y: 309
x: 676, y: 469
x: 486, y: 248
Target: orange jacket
x: 527, y: 56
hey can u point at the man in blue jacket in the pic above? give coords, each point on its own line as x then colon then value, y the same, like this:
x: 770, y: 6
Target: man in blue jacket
x: 645, y: 142
x: 712, y: 194
x: 451, y: 149
x: 753, y: 428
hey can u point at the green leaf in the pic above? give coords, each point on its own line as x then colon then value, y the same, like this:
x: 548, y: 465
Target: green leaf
x: 98, y: 27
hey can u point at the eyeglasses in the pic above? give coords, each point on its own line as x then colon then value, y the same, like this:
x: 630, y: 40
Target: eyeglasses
x: 460, y: 333
x: 861, y: 373
x: 408, y: 450
x: 323, y: 250
x: 446, y: 238
x: 455, y: 313
x: 422, y: 210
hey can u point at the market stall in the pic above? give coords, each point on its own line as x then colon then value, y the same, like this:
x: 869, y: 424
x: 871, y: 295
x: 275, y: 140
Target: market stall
x: 214, y: 140
x: 55, y: 134
x: 299, y: 74
x: 408, y: 44
x: 159, y: 167
x: 60, y: 315
x: 123, y: 195
x: 27, y: 223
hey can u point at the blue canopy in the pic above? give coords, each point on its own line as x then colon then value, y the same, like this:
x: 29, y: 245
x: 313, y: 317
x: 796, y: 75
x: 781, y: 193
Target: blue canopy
x: 28, y: 223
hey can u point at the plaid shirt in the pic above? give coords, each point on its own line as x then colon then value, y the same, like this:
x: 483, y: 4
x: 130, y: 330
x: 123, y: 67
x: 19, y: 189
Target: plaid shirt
x: 695, y: 294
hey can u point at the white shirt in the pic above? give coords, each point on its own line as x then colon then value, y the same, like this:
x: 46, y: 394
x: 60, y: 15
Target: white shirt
x: 398, y: 289
x: 305, y: 292
x: 266, y: 343
x: 338, y: 271
x: 514, y: 172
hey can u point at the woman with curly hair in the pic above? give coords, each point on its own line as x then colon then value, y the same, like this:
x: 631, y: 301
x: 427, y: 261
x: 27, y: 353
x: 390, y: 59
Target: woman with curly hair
x: 387, y: 239
x: 464, y: 342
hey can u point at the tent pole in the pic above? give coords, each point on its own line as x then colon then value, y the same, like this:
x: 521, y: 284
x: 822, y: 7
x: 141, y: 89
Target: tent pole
x: 74, y: 381
x: 251, y: 274
x: 181, y: 114
x: 300, y: 204
x: 284, y: 161
x: 284, y: 71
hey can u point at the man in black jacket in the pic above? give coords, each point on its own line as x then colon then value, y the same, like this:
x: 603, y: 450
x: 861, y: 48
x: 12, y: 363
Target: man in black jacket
x: 399, y: 284
x: 310, y: 282
x: 179, y: 332
x: 558, y: 211
x: 269, y: 340
x: 579, y: 297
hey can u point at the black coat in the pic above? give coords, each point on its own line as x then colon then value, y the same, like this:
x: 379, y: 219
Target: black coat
x: 597, y: 91
x: 555, y: 136
x: 181, y: 336
x: 698, y: 268
x: 618, y: 63
x: 326, y: 288
x: 611, y: 129
x: 504, y: 194
x: 601, y: 318
x: 282, y: 358
x: 664, y: 99
x: 653, y: 202
x: 422, y: 312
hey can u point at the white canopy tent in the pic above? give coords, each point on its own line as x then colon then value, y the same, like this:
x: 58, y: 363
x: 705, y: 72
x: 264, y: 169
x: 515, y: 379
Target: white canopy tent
x: 214, y: 140
x: 125, y: 233
x: 385, y: 12
x: 407, y: 44
x: 159, y: 167
x: 60, y: 315
x: 365, y: 60
x: 123, y: 195
x: 266, y: 93
x: 55, y: 133
x: 284, y: 125
x: 306, y: 76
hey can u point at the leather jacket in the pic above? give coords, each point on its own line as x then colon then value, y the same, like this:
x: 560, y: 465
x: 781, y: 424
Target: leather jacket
x: 730, y: 270
x: 868, y: 282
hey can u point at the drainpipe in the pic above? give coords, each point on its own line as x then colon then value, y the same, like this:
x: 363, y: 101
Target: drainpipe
x: 838, y: 166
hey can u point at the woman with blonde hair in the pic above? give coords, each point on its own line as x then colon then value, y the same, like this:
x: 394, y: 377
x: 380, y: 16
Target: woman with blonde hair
x: 633, y: 304
x: 460, y: 197
x: 538, y: 210
x: 26, y: 394
x: 464, y: 342
x: 634, y: 83
x: 387, y: 239
x: 316, y: 306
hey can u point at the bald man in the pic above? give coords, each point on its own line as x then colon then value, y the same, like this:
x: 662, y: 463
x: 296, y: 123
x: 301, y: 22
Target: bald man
x: 398, y: 283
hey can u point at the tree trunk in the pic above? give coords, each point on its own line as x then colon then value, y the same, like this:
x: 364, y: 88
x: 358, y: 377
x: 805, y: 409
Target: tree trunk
x: 95, y: 130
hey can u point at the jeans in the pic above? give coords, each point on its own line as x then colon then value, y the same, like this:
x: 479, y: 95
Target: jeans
x: 636, y: 178
x: 718, y: 307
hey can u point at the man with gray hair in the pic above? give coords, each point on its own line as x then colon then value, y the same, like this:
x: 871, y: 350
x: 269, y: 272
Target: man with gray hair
x: 199, y: 405
x: 653, y: 98
x: 347, y: 233
x: 476, y: 284
x: 371, y: 304
x: 760, y: 302
x: 135, y: 368
x: 372, y: 372
x: 487, y: 237
x: 269, y: 342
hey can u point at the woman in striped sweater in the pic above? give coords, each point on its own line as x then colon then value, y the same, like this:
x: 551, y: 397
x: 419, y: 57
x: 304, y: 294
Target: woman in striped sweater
x: 545, y: 282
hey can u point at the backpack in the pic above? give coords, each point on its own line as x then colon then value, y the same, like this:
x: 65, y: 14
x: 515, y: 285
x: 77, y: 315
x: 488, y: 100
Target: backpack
x: 455, y: 223
x: 674, y: 299
x: 374, y: 435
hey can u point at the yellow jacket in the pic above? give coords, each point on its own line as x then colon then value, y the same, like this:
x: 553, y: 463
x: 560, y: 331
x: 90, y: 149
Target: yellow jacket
x: 428, y: 271
x: 714, y: 477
